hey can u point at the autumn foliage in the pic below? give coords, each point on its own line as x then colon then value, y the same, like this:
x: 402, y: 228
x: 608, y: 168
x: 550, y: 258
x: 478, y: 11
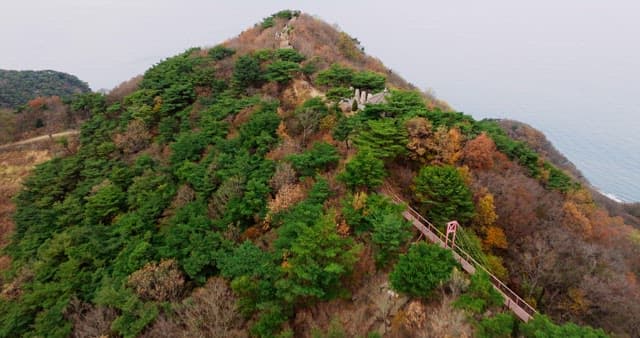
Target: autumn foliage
x: 478, y: 153
x: 158, y: 281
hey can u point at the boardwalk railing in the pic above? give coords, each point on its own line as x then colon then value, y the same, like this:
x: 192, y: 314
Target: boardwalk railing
x: 520, y: 308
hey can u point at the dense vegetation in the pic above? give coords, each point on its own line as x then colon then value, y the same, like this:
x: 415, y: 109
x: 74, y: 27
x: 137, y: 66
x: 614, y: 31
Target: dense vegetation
x: 18, y: 87
x: 48, y: 115
x: 221, y: 188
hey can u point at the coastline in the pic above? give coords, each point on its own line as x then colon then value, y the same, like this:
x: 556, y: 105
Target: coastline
x: 538, y: 141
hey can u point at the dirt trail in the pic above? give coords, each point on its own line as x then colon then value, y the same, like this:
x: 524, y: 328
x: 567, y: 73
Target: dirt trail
x: 39, y: 138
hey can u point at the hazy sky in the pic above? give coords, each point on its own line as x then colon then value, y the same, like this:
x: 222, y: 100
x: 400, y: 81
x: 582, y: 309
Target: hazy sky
x: 533, y: 59
x: 498, y: 48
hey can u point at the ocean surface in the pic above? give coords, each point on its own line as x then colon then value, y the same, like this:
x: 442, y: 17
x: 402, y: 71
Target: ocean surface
x: 605, y: 147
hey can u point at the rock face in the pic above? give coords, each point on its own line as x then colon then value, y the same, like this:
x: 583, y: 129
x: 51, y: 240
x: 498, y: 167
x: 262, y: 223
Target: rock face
x: 283, y: 36
x: 362, y: 98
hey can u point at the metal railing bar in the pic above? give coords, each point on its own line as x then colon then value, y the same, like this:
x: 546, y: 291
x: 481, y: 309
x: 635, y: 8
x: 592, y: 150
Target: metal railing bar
x: 510, y: 294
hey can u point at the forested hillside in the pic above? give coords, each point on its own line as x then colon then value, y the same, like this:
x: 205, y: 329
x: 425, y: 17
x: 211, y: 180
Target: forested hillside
x: 237, y: 191
x: 19, y: 87
x: 630, y: 212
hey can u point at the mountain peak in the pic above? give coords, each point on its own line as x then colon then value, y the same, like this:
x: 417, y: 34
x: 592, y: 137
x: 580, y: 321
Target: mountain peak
x: 313, y: 38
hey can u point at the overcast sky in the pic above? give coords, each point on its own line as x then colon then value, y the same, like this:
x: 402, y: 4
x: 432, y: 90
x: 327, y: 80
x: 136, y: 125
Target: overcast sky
x: 467, y: 51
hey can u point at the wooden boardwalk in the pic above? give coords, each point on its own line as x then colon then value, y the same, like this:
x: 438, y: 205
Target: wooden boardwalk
x: 512, y: 301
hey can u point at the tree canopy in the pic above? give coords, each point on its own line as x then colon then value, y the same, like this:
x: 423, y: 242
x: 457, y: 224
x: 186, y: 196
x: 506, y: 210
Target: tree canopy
x: 443, y: 195
x: 423, y: 268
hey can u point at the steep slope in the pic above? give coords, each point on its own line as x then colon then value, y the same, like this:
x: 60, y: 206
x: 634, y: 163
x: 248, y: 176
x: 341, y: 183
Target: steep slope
x: 235, y: 191
x: 17, y: 161
x: 18, y: 87
x: 630, y: 212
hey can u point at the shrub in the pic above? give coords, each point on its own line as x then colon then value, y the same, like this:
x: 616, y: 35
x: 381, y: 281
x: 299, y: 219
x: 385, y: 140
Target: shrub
x: 335, y: 76
x: 542, y: 326
x: 309, y: 67
x: 104, y: 204
x: 383, y: 138
x: 368, y: 81
x: 135, y: 314
x: 390, y: 232
x: 214, y: 302
x: 281, y: 71
x: 499, y: 326
x: 423, y: 268
x: 306, y: 119
x: 363, y: 171
x: 267, y: 22
x: 188, y: 147
x: 559, y: 180
x: 405, y: 103
x: 285, y: 175
x: 319, y: 258
x: 515, y: 150
x: 446, y: 321
x: 480, y: 295
x: 245, y: 260
x: 321, y: 156
x: 338, y: 93
x: 220, y: 52
x: 247, y: 71
x: 288, y: 54
x: 136, y: 137
x: 346, y: 127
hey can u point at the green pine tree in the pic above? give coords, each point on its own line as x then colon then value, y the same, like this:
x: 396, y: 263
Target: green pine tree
x: 384, y: 138
x: 443, y: 195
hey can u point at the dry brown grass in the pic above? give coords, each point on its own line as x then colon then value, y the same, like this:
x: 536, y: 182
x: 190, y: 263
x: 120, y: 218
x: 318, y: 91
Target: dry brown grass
x: 125, y: 88
x: 436, y: 319
x: 256, y: 38
x: 313, y: 37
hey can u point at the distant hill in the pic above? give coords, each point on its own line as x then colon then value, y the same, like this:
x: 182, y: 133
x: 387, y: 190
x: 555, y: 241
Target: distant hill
x: 18, y: 87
